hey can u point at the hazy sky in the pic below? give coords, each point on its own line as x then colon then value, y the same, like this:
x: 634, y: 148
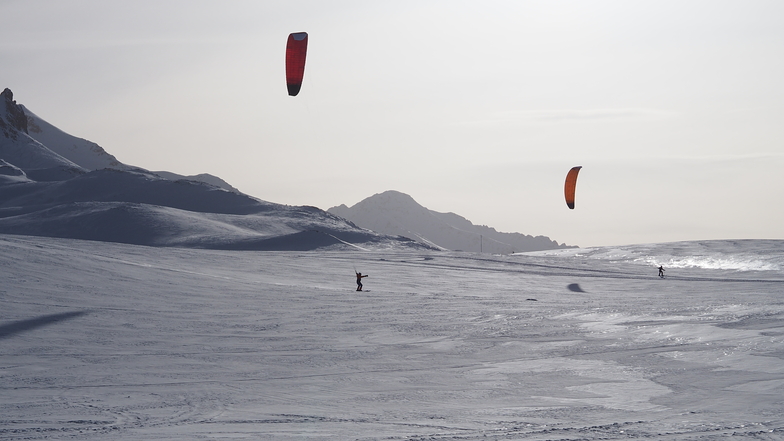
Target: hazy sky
x: 675, y: 109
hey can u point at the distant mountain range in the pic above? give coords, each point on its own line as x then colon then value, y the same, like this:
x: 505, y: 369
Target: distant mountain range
x: 57, y: 185
x: 399, y: 214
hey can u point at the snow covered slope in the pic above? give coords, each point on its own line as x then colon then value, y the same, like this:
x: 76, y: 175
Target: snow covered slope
x: 397, y: 213
x: 80, y: 151
x: 10, y: 173
x: 142, y: 208
x: 106, y: 341
x: 201, y: 177
x: 58, y: 185
x: 33, y: 143
x: 17, y: 147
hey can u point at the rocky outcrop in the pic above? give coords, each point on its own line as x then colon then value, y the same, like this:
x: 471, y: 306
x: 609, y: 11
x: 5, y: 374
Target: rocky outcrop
x: 14, y: 115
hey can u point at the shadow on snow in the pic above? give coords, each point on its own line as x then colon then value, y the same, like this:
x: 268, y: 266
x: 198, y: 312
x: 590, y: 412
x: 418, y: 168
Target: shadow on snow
x: 12, y: 328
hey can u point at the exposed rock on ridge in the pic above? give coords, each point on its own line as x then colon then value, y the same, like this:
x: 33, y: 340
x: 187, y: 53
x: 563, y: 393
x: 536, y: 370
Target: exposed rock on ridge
x: 14, y: 114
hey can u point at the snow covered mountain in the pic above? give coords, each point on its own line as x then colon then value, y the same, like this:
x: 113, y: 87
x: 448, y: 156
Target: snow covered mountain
x: 397, y: 213
x: 87, y: 154
x: 201, y: 177
x: 17, y: 147
x: 57, y: 185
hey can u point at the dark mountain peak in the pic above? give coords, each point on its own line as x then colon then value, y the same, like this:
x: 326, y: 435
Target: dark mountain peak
x: 14, y: 115
x: 396, y: 213
x: 390, y: 200
x: 390, y: 196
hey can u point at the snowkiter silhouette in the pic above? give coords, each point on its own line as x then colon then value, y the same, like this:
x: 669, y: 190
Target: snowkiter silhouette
x: 661, y: 272
x: 359, y: 281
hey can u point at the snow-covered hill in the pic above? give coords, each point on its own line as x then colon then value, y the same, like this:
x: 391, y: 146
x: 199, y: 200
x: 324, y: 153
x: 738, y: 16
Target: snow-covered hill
x: 397, y: 213
x: 201, y: 177
x: 57, y: 185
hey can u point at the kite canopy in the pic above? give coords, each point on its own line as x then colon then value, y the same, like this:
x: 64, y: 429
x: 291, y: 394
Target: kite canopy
x: 569, y: 186
x: 296, y: 50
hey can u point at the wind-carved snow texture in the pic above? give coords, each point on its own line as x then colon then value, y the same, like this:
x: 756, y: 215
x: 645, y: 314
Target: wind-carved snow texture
x: 113, y: 341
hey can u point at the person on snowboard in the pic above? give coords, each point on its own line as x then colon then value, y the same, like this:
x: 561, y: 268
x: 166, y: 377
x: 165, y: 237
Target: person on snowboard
x: 661, y: 271
x: 359, y: 281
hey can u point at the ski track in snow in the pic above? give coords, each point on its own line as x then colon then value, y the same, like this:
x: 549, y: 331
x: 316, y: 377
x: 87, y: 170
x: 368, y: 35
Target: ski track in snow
x: 112, y: 341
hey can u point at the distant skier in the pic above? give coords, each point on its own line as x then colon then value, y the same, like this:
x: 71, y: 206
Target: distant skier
x: 661, y: 271
x: 359, y: 281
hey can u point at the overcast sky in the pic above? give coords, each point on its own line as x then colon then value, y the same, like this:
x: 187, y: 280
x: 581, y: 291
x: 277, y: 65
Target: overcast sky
x: 675, y: 109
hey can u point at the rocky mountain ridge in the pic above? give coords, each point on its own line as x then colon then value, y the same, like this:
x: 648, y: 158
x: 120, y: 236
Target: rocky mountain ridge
x: 397, y: 213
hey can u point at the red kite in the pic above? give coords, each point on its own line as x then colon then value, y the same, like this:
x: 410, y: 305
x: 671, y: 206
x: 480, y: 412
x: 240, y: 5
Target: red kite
x: 569, y: 186
x: 296, y: 50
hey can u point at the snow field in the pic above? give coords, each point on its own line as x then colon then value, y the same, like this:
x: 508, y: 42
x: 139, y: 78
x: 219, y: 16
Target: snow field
x: 112, y: 341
